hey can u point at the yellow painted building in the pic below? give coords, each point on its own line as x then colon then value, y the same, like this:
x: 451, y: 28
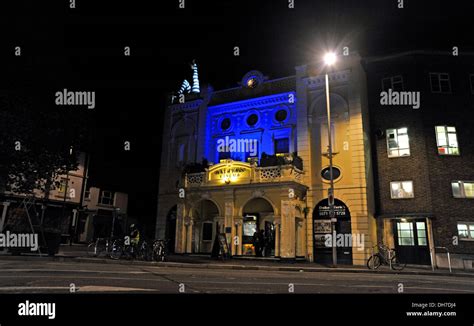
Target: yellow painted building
x: 265, y: 190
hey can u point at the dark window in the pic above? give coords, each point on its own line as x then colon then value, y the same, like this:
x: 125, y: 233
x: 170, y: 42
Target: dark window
x: 336, y: 173
x: 225, y: 124
x: 106, y: 197
x: 207, y: 231
x: 282, y: 146
x: 394, y: 83
x: 281, y: 115
x: 440, y: 83
x: 252, y: 119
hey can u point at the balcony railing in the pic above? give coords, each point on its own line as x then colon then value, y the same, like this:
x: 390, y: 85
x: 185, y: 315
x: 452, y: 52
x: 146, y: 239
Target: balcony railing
x: 255, y: 174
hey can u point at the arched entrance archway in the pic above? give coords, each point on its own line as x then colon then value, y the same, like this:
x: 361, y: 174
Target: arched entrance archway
x: 206, y: 226
x: 258, y: 229
x: 322, y: 230
x: 170, y: 230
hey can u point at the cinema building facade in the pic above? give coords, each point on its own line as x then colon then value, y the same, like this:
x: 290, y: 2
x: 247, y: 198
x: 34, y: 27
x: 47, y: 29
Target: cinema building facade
x: 254, y: 158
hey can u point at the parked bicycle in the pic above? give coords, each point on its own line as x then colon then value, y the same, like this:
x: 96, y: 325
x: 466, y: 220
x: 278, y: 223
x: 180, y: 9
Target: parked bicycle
x: 99, y: 246
x: 123, y: 249
x: 385, y: 256
x: 159, y: 250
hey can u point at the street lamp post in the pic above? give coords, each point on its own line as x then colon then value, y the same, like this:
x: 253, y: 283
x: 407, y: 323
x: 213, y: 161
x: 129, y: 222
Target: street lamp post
x: 329, y: 59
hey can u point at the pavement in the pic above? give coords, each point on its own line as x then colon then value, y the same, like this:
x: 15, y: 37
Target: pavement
x: 78, y: 253
x: 39, y: 275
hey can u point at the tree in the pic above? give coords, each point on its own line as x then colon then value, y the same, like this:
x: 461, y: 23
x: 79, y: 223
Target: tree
x: 37, y: 144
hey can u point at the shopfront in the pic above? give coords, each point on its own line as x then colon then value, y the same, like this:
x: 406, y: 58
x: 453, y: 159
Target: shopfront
x: 322, y: 230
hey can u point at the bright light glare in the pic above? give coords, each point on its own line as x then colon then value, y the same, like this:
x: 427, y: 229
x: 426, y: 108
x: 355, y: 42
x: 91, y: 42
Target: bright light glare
x: 330, y: 58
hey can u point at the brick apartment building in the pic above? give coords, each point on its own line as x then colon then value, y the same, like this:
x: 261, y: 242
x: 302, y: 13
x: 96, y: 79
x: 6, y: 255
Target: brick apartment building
x: 424, y: 158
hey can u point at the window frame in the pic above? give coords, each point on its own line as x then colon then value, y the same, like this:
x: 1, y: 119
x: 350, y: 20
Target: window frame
x: 447, y: 146
x: 398, y: 149
x: 392, y: 82
x: 461, y: 189
x: 275, y: 145
x: 400, y: 184
x: 438, y: 74
x: 212, y: 231
x: 470, y: 226
x: 101, y: 197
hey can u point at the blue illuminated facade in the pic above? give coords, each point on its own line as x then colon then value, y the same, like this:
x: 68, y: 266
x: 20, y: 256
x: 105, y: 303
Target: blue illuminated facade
x: 268, y: 120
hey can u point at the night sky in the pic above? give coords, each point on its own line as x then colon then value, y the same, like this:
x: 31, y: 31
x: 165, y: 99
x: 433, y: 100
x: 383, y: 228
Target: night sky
x: 82, y: 49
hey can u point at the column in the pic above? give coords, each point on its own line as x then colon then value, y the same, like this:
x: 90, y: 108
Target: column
x: 277, y: 222
x: 229, y: 218
x: 180, y: 241
x: 287, y: 244
x: 237, y: 245
x: 189, y: 222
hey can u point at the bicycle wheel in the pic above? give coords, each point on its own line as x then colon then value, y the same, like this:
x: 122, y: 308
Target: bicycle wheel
x: 117, y: 251
x: 374, y: 262
x: 161, y: 254
x: 396, y: 264
x: 92, y: 249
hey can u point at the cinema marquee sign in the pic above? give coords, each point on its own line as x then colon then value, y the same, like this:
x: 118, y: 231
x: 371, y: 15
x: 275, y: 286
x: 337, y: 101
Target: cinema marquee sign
x: 229, y: 172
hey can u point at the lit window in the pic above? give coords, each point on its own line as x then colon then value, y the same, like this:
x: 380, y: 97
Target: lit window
x: 397, y: 142
x: 62, y: 185
x: 463, y: 189
x: 466, y: 231
x: 405, y: 234
x: 401, y: 189
x: 106, y: 197
x: 447, y: 140
x: 440, y: 83
x: 421, y: 233
x: 394, y: 83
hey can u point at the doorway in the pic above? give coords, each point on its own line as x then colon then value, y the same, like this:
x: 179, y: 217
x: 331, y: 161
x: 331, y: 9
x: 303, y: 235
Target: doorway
x: 411, y: 241
x: 258, y: 227
x: 322, y: 230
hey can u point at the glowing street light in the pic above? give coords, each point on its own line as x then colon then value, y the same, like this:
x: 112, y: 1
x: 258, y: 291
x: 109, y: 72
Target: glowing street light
x: 329, y: 60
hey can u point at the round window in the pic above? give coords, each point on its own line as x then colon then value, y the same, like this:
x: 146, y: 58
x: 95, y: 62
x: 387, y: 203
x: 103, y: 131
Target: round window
x: 325, y: 174
x: 252, y: 119
x: 281, y: 115
x: 225, y: 124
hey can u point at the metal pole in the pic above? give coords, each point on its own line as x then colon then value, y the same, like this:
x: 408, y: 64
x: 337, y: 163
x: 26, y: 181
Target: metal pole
x: 449, y: 262
x: 432, y: 262
x: 331, y: 186
x: 390, y: 258
x: 113, y: 222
